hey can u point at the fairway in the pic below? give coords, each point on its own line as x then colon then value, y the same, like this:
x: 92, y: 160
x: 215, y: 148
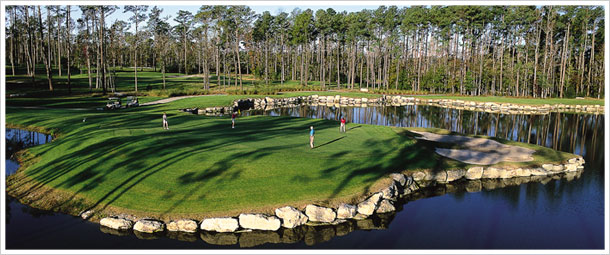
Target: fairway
x: 125, y: 162
x: 203, y: 167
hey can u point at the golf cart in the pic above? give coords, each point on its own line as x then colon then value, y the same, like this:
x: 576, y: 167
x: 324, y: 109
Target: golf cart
x: 132, y: 101
x: 113, y: 103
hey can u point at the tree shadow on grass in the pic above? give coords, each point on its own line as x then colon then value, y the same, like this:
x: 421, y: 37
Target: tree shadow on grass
x: 82, y: 162
x: 86, y: 163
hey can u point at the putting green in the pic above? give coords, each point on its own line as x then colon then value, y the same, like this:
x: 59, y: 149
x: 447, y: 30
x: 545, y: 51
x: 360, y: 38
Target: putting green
x: 125, y: 162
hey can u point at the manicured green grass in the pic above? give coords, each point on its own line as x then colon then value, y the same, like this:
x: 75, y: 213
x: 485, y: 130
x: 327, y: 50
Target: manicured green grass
x: 123, y: 160
x: 202, y: 166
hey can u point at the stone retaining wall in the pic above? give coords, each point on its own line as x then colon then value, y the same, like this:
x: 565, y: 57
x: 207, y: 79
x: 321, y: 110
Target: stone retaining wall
x: 268, y: 103
x: 385, y: 200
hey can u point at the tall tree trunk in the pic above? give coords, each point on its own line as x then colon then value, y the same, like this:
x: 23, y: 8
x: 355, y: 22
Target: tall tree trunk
x: 102, y: 59
x: 501, y: 65
x: 185, y: 67
x: 266, y: 45
x: 58, y: 40
x: 302, y: 64
x: 46, y: 58
x: 282, y: 56
x: 13, y: 34
x: 338, y: 63
x: 238, y: 64
x: 69, y: 46
x: 535, y: 84
x: 581, y: 61
x: 322, y: 63
x: 88, y: 56
x: 30, y: 50
x: 563, y: 60
x: 135, y: 56
x: 163, y: 71
x: 591, y: 58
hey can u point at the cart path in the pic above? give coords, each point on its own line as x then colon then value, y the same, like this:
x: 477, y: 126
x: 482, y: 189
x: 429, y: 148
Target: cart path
x: 171, y: 99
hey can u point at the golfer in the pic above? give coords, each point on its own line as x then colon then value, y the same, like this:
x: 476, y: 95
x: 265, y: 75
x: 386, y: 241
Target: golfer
x: 342, y: 128
x: 311, y: 133
x: 165, y: 125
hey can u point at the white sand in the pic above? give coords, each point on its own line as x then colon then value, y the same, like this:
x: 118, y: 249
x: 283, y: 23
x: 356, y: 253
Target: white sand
x: 480, y: 151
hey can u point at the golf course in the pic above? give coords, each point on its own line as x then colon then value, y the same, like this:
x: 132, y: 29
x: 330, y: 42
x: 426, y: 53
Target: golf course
x: 123, y: 161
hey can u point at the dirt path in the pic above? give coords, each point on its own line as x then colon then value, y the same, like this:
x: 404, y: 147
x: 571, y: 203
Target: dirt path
x: 480, y: 151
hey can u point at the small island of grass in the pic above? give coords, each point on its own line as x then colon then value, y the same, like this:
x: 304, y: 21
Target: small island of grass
x: 125, y: 162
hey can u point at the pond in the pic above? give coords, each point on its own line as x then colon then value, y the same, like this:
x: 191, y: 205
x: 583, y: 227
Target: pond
x: 559, y: 214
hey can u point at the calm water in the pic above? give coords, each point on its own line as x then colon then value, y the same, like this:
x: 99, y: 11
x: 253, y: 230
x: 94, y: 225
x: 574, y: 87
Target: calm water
x: 559, y: 214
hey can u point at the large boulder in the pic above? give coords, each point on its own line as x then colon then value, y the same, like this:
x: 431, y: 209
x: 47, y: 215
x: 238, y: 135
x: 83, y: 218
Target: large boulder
x: 220, y: 224
x: 409, y: 182
x: 385, y: 206
x: 558, y: 168
x: 474, y: 173
x: 149, y: 226
x: 259, y: 222
x: 320, y: 214
x: 419, y: 176
x: 440, y: 176
x: 390, y: 192
x: 538, y: 171
x: 290, y: 216
x: 189, y: 226
x: 455, y: 174
x: 86, y: 214
x: 491, y: 173
x: 368, y: 206
x: 116, y: 223
x: 399, y: 178
x: 507, y: 173
x: 346, y: 211
x: 548, y: 167
x: 523, y: 172
x: 571, y: 167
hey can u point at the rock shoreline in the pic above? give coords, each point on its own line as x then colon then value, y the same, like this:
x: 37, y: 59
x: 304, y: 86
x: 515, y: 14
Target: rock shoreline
x: 250, y: 228
x: 268, y: 103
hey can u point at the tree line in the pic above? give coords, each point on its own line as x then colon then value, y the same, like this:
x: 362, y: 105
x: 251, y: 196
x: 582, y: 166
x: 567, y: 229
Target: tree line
x: 535, y: 51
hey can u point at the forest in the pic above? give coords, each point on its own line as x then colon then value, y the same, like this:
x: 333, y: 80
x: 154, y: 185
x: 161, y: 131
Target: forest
x: 520, y: 51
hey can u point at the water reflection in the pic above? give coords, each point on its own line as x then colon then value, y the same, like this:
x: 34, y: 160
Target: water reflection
x: 509, y: 190
x: 17, y: 140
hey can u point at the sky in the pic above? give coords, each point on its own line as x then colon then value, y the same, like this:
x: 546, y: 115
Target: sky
x: 171, y: 10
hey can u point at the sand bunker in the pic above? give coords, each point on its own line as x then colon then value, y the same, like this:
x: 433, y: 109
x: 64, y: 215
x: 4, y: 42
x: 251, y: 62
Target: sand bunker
x: 480, y: 151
